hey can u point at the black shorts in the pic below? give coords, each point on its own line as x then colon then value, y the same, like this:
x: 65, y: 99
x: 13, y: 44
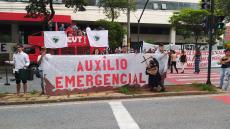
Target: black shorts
x: 20, y: 75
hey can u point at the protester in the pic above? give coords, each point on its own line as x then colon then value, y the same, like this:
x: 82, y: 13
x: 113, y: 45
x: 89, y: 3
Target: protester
x: 96, y: 52
x: 169, y: 60
x: 225, y: 69
x: 183, y: 60
x: 42, y: 58
x: 21, y: 62
x: 62, y: 27
x: 173, y: 61
x: 197, y: 58
x: 50, y: 25
x: 154, y: 77
x: 162, y: 58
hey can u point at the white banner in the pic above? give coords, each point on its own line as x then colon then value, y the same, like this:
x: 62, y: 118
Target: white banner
x: 216, y: 56
x: 55, y: 39
x: 65, y: 73
x: 98, y: 38
x: 83, y: 72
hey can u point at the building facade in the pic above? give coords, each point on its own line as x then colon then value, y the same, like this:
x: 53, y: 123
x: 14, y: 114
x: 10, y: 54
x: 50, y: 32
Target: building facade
x: 154, y: 25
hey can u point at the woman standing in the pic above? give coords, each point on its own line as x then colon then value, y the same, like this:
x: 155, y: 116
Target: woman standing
x: 197, y: 58
x: 173, y: 61
x: 183, y: 60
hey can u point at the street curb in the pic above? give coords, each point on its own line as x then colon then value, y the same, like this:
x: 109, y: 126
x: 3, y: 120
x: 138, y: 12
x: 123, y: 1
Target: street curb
x: 93, y: 98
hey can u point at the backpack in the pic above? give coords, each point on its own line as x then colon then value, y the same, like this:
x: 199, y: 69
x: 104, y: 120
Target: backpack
x: 153, y: 70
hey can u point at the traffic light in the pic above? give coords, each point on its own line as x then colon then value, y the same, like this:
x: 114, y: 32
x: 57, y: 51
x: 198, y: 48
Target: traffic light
x: 205, y: 23
x: 219, y: 22
x: 206, y: 4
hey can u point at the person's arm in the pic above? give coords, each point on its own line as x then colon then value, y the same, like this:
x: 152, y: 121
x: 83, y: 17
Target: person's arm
x: 166, y: 64
x: 14, y: 60
x: 146, y: 71
x: 221, y: 61
x: 226, y: 61
x: 39, y: 59
x: 185, y: 58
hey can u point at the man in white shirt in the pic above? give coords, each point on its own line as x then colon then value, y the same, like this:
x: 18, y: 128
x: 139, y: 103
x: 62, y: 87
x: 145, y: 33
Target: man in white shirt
x: 21, y: 62
x: 162, y: 58
x: 41, y: 62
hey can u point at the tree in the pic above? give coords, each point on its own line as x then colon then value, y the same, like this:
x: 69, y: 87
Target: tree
x: 38, y: 8
x: 112, y: 8
x: 116, y: 32
x: 188, y: 22
x: 222, y: 8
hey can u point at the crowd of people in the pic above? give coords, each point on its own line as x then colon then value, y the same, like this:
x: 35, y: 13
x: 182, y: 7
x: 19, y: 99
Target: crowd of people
x: 70, y: 29
x: 156, y: 69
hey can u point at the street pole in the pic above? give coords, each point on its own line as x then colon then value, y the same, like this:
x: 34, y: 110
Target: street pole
x: 138, y: 24
x: 7, y: 80
x: 211, y: 31
x: 128, y: 26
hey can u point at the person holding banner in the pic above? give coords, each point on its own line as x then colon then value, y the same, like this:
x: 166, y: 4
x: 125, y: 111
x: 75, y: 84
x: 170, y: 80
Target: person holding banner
x: 21, y: 62
x: 154, y: 77
x: 162, y: 58
x: 41, y: 62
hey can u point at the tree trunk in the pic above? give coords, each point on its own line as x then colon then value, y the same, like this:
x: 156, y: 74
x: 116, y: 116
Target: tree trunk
x: 112, y: 14
x: 47, y: 18
x: 196, y: 40
x: 52, y: 10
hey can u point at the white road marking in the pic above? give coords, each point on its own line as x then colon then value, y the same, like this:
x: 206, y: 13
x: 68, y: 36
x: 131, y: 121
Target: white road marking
x: 124, y: 119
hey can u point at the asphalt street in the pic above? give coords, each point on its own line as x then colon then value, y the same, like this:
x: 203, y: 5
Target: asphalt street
x: 189, y: 112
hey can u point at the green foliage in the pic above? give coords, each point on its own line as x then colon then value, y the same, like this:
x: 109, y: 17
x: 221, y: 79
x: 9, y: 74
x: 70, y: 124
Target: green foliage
x: 124, y: 90
x: 78, y: 5
x: 222, y: 8
x: 38, y: 8
x: 33, y: 92
x: 116, y: 32
x: 112, y: 8
x: 151, y: 41
x: 129, y: 89
x: 205, y: 87
x: 188, y: 23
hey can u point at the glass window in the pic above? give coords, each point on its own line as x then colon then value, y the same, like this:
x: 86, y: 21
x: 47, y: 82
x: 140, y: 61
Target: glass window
x: 163, y: 6
x: 155, y: 6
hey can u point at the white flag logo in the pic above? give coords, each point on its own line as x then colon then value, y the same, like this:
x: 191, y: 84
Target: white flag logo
x: 55, y: 39
x: 97, y: 38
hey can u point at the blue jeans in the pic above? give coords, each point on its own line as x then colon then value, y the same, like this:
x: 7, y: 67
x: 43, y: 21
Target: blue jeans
x: 222, y: 73
x: 226, y: 79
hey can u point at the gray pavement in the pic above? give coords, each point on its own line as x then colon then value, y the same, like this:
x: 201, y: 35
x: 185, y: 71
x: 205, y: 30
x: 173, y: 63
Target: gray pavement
x: 32, y: 85
x: 191, y: 112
